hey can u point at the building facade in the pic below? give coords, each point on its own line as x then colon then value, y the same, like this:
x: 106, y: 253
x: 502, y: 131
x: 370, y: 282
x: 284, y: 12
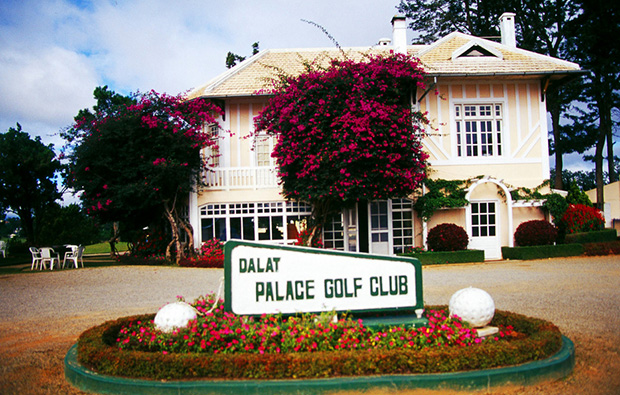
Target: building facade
x: 486, y: 103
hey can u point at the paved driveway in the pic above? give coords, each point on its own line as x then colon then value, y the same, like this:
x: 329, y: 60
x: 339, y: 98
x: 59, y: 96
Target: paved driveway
x: 580, y: 295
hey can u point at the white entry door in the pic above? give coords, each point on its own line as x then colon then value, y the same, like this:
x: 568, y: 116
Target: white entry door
x: 379, y: 228
x: 484, y: 229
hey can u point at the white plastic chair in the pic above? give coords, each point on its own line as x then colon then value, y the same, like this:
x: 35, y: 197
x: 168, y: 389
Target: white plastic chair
x: 3, y: 248
x: 74, y: 255
x: 36, y: 258
x: 49, y: 255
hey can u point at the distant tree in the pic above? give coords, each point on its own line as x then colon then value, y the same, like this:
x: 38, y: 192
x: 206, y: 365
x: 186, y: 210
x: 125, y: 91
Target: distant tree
x: 590, y: 44
x: 27, y: 172
x: 541, y: 26
x: 232, y: 58
x: 8, y: 226
x: 585, y: 180
x: 137, y: 159
x: 347, y: 133
x: 68, y: 225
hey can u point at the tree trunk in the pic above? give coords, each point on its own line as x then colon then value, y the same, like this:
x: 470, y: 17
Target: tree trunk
x: 559, y: 162
x: 175, y: 235
x: 611, y: 168
x: 113, y: 240
x: 321, y: 213
x: 598, y: 161
x: 190, y: 236
x: 27, y: 223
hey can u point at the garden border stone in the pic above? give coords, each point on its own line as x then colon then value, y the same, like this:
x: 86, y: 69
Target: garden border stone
x: 557, y: 366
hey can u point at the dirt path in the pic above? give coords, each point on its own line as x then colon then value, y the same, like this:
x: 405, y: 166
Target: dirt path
x: 41, y: 315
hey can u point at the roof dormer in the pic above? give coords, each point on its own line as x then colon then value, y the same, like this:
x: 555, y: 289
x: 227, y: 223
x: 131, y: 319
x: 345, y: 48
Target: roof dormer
x: 475, y: 50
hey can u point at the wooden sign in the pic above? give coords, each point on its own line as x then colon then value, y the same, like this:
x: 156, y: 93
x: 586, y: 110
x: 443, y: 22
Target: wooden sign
x: 269, y: 279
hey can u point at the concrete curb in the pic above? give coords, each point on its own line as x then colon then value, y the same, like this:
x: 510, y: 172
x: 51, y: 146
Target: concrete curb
x: 555, y: 367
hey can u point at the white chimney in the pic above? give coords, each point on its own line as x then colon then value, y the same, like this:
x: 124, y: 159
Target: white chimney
x: 399, y: 34
x: 507, y: 29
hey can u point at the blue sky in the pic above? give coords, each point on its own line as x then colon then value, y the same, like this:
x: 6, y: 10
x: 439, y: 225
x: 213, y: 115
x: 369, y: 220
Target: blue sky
x: 53, y: 53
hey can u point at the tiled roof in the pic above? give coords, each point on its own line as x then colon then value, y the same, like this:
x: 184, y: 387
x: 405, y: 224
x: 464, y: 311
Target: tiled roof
x: 257, y: 72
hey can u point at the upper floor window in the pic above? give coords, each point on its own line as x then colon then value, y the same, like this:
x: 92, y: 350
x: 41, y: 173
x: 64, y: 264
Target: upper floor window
x: 212, y: 153
x: 264, y: 147
x: 478, y: 129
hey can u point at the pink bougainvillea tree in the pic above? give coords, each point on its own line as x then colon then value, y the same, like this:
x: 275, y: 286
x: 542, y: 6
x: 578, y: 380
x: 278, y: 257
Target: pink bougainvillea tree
x: 135, y: 159
x: 347, y: 132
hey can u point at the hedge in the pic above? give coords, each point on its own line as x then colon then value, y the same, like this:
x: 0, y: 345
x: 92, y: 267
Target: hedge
x: 603, y: 248
x: 540, y: 339
x: 542, y: 252
x: 591, y: 237
x: 440, y: 257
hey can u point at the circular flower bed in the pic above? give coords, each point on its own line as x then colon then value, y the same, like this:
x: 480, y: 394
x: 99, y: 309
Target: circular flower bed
x: 222, y: 345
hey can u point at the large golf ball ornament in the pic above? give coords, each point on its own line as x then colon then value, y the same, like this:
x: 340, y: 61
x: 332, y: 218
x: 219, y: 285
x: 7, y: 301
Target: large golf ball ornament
x: 472, y: 305
x: 174, y: 315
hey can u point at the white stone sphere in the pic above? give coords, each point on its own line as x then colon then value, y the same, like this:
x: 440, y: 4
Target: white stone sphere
x: 472, y: 305
x: 174, y: 315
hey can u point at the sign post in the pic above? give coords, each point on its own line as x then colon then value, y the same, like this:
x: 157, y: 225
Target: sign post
x: 271, y: 279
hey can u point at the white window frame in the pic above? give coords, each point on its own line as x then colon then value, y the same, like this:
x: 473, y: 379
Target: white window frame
x: 213, y: 153
x: 282, y: 213
x: 263, y: 146
x: 479, y: 129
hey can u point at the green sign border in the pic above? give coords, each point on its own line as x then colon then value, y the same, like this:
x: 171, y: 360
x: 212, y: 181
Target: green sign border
x: 230, y: 245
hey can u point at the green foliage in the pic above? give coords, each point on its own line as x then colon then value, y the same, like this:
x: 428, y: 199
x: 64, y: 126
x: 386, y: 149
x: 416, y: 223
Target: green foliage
x: 542, y: 252
x: 68, y: 225
x: 535, y: 233
x: 557, y: 205
x: 530, y: 339
x: 441, y: 194
x: 447, y: 237
x: 232, y: 58
x: 27, y: 172
x: 589, y: 45
x: 602, y: 248
x: 135, y: 159
x: 585, y: 180
x: 442, y: 257
x: 577, y: 196
x: 528, y: 193
x: 9, y: 226
x: 434, y: 19
x: 605, y: 235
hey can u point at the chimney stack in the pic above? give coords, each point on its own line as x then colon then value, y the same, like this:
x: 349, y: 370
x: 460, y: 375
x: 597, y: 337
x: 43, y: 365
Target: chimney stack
x: 507, y: 29
x: 399, y: 34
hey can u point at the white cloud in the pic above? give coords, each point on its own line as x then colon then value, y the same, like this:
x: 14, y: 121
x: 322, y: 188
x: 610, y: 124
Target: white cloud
x: 45, y: 85
x: 53, y: 53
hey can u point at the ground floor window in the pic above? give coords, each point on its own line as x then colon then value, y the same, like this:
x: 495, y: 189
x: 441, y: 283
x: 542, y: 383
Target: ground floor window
x: 483, y: 219
x: 333, y: 233
x: 268, y: 221
x: 402, y: 224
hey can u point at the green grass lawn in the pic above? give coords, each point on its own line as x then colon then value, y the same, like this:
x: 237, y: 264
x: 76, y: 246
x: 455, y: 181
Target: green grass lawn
x: 94, y: 255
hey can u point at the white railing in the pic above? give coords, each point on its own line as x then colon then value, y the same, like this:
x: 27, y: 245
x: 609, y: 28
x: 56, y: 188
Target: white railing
x: 229, y: 178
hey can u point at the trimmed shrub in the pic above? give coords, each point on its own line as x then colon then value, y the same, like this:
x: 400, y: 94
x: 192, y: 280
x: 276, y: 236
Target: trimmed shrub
x: 535, y: 233
x: 581, y: 218
x: 602, y: 248
x: 447, y: 237
x: 441, y: 257
x: 592, y: 237
x: 542, y: 252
